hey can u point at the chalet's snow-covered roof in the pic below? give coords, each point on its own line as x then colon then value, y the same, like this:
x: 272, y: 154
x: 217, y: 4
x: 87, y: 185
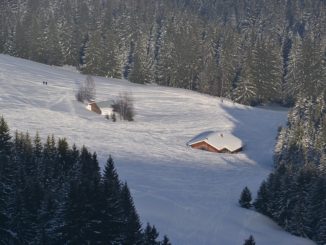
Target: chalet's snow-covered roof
x: 219, y: 140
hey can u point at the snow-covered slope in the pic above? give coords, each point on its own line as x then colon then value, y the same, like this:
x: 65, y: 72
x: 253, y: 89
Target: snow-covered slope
x: 190, y: 195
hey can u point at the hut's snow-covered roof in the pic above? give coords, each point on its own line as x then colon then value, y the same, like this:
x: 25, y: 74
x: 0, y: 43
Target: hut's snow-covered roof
x: 218, y: 140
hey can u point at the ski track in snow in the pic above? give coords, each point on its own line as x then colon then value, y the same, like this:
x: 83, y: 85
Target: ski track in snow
x: 188, y: 194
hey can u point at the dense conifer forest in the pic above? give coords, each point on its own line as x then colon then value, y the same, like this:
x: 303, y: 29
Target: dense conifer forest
x: 52, y: 193
x: 294, y: 195
x: 250, y: 51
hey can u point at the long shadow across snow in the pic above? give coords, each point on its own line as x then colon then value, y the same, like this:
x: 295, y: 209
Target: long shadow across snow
x: 257, y: 128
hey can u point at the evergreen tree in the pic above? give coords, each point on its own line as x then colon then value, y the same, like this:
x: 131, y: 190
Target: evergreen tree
x: 21, y: 41
x: 245, y: 198
x: 165, y: 68
x: 267, y: 71
x: 227, y: 62
x: 250, y: 241
x: 131, y: 224
x: 112, y: 223
x: 6, y: 184
x: 246, y: 90
x: 5, y: 144
x: 35, y: 39
x: 306, y: 68
x: 262, y: 199
x: 82, y: 213
x: 52, y: 44
x: 93, y: 55
x: 165, y: 241
x: 70, y: 35
x: 138, y: 72
x: 150, y: 235
x: 110, y: 61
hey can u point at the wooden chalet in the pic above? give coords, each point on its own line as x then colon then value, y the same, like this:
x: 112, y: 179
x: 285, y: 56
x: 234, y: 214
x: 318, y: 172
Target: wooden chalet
x: 216, y: 142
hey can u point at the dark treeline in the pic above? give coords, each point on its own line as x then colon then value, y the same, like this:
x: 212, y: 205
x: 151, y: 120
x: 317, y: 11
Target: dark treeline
x: 250, y: 51
x: 53, y: 194
x: 295, y: 194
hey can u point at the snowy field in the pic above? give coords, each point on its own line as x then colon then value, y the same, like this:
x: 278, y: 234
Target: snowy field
x: 190, y: 195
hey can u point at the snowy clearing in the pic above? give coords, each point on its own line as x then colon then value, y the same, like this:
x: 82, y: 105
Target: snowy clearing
x: 190, y: 195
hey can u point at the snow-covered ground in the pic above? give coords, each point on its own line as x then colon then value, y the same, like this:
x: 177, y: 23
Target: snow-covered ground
x: 190, y: 195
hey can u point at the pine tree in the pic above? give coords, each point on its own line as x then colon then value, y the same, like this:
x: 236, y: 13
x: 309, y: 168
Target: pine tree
x: 165, y: 241
x: 262, y: 199
x: 109, y: 61
x: 52, y: 44
x: 320, y: 232
x: 35, y: 39
x: 9, y: 46
x: 150, y: 235
x: 70, y: 35
x: 306, y: 68
x: 5, y: 144
x: 246, y: 90
x: 74, y: 221
x: 112, y: 224
x: 37, y: 149
x: 291, y: 84
x: 131, y: 227
x: 245, y: 198
x: 6, y: 183
x: 227, y: 61
x: 93, y: 55
x: 250, y: 241
x: 21, y: 41
x: 83, y: 209
x: 266, y: 71
x: 137, y: 74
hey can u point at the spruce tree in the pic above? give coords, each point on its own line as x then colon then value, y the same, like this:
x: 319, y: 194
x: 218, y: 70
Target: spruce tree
x: 93, y: 55
x: 150, y: 235
x: 6, y: 182
x: 52, y: 45
x: 165, y: 241
x: 262, y: 199
x: 112, y: 222
x: 131, y: 227
x: 5, y: 143
x: 70, y: 35
x: 110, y: 64
x: 250, y: 241
x: 83, y: 209
x: 246, y: 89
x: 245, y: 198
x: 266, y: 71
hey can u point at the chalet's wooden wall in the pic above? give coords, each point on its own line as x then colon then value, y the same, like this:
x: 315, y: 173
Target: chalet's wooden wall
x: 206, y: 147
x: 95, y: 108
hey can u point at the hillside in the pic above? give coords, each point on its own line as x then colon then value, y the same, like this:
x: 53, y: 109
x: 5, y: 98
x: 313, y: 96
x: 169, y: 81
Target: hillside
x: 188, y: 194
